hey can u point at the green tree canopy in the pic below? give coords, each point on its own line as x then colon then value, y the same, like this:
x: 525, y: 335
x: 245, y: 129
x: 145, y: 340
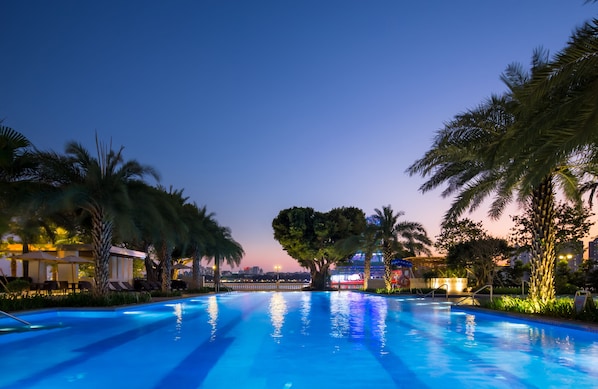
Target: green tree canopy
x: 314, y: 238
x: 453, y: 232
x: 479, y: 257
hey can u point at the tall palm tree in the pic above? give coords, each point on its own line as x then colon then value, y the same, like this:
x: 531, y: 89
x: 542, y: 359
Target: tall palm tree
x: 370, y: 244
x: 571, y: 126
x: 367, y: 243
x: 224, y: 248
x: 98, y: 188
x: 17, y: 167
x: 202, y: 232
x: 174, y: 234
x: 398, y: 238
x: 479, y: 154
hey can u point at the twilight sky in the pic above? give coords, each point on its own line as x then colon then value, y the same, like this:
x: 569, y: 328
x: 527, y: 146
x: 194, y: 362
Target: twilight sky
x: 254, y: 106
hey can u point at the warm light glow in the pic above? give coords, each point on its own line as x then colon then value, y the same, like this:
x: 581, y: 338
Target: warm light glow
x: 567, y: 256
x: 455, y: 285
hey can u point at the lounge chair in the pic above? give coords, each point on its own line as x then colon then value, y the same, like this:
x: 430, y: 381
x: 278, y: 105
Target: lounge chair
x: 63, y: 286
x: 154, y: 285
x: 141, y: 285
x: 125, y: 286
x: 84, y: 286
x: 114, y: 286
x: 178, y: 285
x: 49, y: 286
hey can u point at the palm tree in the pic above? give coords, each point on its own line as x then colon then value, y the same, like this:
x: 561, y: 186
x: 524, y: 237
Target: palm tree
x: 224, y: 248
x: 570, y: 126
x: 174, y: 234
x: 366, y: 243
x: 479, y: 154
x: 96, y: 187
x: 16, y: 169
x: 370, y: 243
x: 202, y: 231
x: 398, y: 238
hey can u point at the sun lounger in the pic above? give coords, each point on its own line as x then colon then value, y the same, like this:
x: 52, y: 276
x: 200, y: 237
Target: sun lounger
x: 126, y: 286
x: 49, y: 286
x: 84, y: 285
x: 178, y: 285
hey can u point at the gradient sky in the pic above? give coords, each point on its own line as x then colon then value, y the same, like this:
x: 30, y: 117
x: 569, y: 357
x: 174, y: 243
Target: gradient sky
x: 255, y: 106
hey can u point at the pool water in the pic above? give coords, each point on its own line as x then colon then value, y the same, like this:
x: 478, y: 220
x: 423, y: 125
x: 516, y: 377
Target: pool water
x: 293, y: 340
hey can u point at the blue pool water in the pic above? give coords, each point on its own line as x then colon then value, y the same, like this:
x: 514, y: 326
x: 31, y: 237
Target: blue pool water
x: 293, y: 340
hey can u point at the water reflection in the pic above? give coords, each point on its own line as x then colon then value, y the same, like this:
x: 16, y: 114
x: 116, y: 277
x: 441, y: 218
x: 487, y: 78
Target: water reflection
x: 339, y: 315
x: 357, y: 317
x: 470, y: 328
x: 178, y: 313
x: 379, y: 314
x: 213, y: 316
x: 278, y: 310
x: 305, y: 311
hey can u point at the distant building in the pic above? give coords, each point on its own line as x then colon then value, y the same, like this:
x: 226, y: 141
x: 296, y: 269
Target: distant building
x: 593, y: 249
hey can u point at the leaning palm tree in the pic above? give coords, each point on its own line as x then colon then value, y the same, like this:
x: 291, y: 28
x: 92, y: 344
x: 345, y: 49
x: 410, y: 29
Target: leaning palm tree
x: 96, y: 187
x: 397, y: 238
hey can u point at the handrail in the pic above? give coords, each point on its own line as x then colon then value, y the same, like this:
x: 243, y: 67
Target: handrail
x: 16, y: 318
x: 438, y: 288
x: 472, y: 296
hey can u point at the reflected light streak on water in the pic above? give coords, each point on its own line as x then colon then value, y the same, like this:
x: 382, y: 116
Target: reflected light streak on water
x: 305, y: 310
x: 470, y: 329
x: 339, y: 316
x: 278, y: 310
x: 213, y: 316
x: 379, y: 314
x: 178, y: 313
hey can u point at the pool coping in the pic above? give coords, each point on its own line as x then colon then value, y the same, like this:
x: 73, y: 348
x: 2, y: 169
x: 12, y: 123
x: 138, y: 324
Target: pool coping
x: 573, y: 324
x: 579, y: 325
x: 112, y: 308
x: 568, y: 323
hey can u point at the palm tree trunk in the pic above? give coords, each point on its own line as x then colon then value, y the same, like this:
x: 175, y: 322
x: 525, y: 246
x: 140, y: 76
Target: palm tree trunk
x: 388, y: 254
x: 25, y: 263
x: 166, y: 261
x: 13, y: 267
x: 196, y: 264
x: 101, y: 244
x: 367, y: 270
x: 217, y: 274
x: 541, y: 287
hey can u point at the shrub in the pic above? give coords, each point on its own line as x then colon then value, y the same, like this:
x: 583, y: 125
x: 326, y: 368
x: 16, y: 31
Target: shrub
x: 559, y: 308
x: 203, y: 289
x: 17, y: 286
x: 172, y: 293
x: 13, y: 303
x: 503, y: 290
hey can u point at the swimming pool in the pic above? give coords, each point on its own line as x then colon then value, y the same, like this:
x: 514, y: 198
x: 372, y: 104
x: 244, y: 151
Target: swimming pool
x: 293, y: 340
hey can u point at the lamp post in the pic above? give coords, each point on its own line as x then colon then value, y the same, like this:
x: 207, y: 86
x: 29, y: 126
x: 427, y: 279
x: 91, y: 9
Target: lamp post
x: 277, y: 270
x: 216, y: 278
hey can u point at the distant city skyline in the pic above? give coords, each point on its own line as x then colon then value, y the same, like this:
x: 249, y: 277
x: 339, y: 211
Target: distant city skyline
x: 252, y: 107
